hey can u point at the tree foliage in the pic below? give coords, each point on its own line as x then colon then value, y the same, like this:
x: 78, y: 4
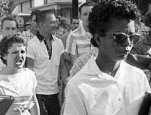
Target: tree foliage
x: 7, y: 7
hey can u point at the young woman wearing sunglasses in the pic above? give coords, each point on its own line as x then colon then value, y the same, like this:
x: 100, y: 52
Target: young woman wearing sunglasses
x: 107, y: 85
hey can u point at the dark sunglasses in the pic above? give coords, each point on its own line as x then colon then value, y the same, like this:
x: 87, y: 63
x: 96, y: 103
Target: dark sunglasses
x: 122, y: 39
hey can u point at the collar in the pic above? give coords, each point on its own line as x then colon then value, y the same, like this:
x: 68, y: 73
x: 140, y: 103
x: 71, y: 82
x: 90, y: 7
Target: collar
x: 92, y: 69
x: 41, y: 38
x: 83, y: 32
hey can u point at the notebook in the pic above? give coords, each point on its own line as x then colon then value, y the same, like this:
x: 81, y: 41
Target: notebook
x: 5, y: 103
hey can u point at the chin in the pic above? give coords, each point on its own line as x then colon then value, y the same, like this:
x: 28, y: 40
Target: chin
x: 121, y: 57
x: 19, y: 66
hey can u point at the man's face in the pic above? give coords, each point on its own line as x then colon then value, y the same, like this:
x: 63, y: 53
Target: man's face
x: 9, y: 27
x: 85, y: 11
x: 49, y: 25
x: 111, y: 46
x: 57, y: 21
x: 75, y: 24
x: 34, y: 25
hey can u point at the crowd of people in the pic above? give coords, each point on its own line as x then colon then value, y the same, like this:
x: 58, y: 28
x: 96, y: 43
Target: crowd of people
x: 96, y: 64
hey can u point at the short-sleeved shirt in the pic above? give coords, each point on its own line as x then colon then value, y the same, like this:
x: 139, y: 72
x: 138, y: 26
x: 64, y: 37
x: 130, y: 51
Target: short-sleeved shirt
x: 78, y: 42
x: 46, y: 69
x: 93, y: 92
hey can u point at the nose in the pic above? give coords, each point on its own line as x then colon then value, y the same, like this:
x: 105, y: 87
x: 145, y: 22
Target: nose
x: 127, y: 45
x: 19, y: 54
x: 12, y: 31
x: 126, y: 42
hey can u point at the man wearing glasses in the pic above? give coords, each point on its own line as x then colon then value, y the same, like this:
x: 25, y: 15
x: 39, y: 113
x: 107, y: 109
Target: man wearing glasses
x: 107, y: 85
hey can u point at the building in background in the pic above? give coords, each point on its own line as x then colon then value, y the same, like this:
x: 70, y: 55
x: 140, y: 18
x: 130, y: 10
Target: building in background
x: 60, y: 7
x: 22, y: 8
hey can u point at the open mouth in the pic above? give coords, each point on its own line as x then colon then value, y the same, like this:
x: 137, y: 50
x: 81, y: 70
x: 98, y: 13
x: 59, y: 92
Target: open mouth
x: 19, y: 62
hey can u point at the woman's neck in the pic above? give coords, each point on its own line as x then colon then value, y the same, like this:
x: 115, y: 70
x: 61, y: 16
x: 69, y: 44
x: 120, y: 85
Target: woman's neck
x: 11, y: 70
x: 107, y: 65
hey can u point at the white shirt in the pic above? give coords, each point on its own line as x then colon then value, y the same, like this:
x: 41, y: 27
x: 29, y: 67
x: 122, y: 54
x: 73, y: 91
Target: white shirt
x: 46, y: 70
x: 93, y: 92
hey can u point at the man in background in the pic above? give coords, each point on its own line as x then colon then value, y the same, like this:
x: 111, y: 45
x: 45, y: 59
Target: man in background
x: 147, y: 18
x: 9, y: 26
x: 43, y: 57
x: 74, y: 23
x: 33, y: 28
x: 78, y: 41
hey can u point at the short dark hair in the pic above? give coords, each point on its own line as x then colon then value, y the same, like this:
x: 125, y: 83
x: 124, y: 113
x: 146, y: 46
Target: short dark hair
x: 85, y: 4
x: 8, y: 42
x: 102, y: 12
x: 9, y: 18
x: 41, y: 17
x: 34, y: 12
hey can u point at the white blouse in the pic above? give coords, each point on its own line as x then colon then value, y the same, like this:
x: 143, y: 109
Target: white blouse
x: 22, y: 87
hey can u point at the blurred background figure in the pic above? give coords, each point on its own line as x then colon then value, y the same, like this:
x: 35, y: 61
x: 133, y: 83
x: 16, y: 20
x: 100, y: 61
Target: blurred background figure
x: 74, y: 23
x: 31, y: 27
x: 63, y: 26
x: 26, y: 33
x: 34, y: 25
x: 78, y: 41
x: 9, y: 26
x: 147, y: 18
x: 58, y: 19
x: 27, y: 26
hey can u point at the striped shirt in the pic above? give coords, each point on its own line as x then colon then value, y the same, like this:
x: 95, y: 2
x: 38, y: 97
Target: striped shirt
x: 78, y: 42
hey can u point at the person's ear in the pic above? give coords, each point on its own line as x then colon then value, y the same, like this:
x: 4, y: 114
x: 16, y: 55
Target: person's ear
x: 40, y: 24
x: 97, y: 39
x: 5, y: 57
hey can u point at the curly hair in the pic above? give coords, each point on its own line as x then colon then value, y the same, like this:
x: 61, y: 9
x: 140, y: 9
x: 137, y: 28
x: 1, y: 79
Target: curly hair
x: 103, y: 11
x: 8, y: 42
